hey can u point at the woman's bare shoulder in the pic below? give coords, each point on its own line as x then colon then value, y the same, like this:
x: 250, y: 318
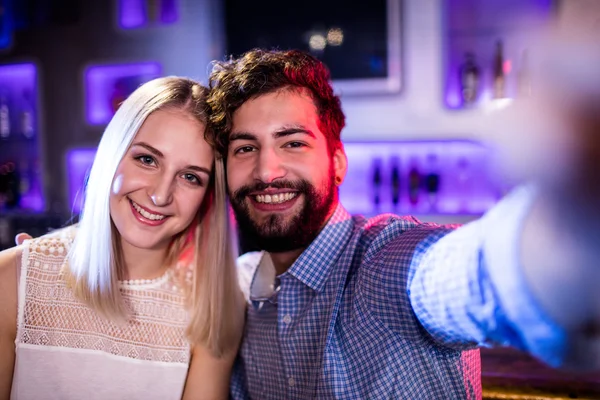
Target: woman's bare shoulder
x: 9, y: 263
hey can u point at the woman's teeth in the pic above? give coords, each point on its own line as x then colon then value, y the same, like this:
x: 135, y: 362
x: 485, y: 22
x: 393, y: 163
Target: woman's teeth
x: 275, y: 198
x: 146, y: 214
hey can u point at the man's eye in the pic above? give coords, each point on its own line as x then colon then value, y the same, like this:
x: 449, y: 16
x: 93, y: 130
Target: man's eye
x: 244, y: 149
x: 295, y: 145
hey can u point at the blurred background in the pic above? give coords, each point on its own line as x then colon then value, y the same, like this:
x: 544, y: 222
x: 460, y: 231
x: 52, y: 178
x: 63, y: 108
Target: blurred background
x: 415, y: 77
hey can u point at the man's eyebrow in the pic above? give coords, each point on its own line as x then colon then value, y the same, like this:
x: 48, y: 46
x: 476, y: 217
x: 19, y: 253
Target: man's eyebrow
x: 292, y: 131
x: 242, y: 136
x: 282, y: 132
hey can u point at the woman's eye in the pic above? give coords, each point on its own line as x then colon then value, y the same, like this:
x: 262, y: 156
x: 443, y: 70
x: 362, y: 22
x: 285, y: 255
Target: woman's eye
x: 146, y: 160
x: 192, y: 179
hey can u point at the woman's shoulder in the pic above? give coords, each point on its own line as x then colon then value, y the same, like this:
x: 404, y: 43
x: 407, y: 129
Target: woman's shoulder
x: 47, y: 254
x: 8, y: 263
x: 59, y: 238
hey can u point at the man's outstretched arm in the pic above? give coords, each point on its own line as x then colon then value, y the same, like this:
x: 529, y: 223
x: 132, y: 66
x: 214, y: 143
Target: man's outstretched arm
x: 525, y: 274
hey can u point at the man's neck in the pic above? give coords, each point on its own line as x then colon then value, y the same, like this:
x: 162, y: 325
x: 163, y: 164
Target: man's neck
x: 283, y: 261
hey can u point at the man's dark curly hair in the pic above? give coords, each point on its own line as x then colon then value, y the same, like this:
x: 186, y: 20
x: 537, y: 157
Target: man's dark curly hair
x: 259, y: 72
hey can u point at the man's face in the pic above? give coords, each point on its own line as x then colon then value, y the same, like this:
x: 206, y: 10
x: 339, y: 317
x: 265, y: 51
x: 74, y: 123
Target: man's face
x: 281, y: 177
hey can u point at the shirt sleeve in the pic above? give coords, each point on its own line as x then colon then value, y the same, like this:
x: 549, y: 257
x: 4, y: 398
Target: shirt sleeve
x: 467, y: 288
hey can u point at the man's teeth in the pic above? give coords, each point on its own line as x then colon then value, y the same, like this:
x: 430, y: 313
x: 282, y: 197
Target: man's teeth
x: 275, y: 198
x: 146, y: 214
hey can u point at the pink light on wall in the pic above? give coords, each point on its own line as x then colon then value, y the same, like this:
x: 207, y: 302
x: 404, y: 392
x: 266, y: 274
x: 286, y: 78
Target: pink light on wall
x: 106, y: 86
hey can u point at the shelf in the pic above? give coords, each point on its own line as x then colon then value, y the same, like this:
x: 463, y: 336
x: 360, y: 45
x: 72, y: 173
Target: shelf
x: 464, y: 183
x: 20, y: 176
x: 475, y: 26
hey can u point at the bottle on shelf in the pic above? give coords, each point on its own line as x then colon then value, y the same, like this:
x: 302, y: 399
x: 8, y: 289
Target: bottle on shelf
x: 498, y: 70
x: 376, y: 182
x: 27, y: 115
x: 4, y: 115
x: 469, y: 80
x: 414, y: 184
x: 24, y: 183
x: 432, y: 181
x: 395, y: 182
x: 153, y: 9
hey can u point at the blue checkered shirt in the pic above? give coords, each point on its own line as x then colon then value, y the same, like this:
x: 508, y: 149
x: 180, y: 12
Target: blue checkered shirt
x: 390, y: 308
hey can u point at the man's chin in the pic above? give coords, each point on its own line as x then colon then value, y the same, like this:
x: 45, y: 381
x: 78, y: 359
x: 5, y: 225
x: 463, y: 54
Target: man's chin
x: 276, y: 219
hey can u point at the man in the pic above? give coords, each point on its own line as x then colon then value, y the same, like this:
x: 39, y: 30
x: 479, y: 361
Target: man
x: 345, y: 307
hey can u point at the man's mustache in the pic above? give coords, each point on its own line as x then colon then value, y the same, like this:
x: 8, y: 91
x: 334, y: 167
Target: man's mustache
x: 299, y: 186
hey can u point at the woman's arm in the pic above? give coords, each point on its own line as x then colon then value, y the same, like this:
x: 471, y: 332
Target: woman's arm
x: 208, y: 377
x: 8, y: 317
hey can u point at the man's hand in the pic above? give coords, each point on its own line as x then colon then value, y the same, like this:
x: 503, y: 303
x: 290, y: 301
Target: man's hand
x: 21, y: 237
x: 553, y: 140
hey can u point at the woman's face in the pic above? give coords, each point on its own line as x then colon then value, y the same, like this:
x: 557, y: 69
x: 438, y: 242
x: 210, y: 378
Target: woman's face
x: 161, y: 181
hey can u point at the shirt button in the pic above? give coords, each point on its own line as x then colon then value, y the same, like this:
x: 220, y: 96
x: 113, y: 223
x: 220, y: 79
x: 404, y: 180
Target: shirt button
x: 287, y: 319
x: 291, y: 381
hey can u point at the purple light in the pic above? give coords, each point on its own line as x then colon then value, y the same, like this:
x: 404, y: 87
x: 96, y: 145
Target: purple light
x: 169, y: 12
x: 131, y: 13
x: 108, y: 85
x: 466, y: 183
x: 15, y: 77
x: 18, y: 87
x: 138, y: 13
x: 79, y: 162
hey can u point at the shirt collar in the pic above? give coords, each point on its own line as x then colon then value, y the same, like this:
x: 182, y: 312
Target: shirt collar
x: 314, y: 264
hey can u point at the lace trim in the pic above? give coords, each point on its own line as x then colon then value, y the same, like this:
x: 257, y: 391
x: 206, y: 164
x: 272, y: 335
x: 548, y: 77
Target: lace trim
x: 52, y: 316
x: 141, y: 284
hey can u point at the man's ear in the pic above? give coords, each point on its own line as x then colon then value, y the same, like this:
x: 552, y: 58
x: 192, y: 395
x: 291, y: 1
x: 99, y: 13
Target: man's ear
x: 340, y: 165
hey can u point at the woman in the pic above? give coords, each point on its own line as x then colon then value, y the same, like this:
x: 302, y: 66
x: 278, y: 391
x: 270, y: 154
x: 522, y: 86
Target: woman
x: 102, y: 310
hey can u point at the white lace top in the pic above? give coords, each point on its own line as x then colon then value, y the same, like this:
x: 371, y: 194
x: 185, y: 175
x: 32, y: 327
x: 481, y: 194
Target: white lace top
x: 64, y: 350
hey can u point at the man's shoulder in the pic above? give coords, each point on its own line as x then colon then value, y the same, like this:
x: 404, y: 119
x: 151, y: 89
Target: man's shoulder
x: 381, y: 229
x: 396, y: 237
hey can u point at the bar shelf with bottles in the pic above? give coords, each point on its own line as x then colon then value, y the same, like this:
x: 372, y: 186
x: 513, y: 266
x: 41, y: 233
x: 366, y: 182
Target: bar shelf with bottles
x: 21, y: 188
x: 486, y: 51
x: 441, y: 181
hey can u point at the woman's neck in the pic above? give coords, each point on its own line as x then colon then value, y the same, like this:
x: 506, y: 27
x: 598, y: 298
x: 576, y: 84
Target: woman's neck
x: 143, y: 263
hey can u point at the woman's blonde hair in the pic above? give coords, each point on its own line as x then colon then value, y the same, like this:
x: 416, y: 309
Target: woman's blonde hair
x: 95, y: 262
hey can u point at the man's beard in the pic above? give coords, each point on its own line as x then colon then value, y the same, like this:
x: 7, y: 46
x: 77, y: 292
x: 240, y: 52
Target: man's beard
x: 279, y: 234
